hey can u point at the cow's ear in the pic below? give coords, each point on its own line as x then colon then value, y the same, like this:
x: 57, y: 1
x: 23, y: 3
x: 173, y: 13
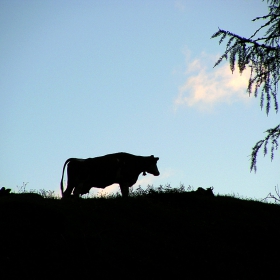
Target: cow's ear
x: 144, y: 173
x: 153, y: 157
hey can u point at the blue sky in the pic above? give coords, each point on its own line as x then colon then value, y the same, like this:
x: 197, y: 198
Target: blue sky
x: 87, y: 78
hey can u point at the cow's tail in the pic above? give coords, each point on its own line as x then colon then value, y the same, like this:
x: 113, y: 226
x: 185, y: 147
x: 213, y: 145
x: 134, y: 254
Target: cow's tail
x: 61, y: 182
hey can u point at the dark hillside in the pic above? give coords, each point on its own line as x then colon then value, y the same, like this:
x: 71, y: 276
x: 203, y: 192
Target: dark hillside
x: 149, y: 236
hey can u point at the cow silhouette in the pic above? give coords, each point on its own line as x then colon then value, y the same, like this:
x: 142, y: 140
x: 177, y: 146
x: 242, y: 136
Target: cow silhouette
x: 100, y: 172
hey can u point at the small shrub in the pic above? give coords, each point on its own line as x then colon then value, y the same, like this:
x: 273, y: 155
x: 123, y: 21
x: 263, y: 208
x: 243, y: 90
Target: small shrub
x: 272, y: 197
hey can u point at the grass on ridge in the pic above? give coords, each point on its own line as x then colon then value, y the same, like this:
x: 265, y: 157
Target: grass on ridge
x: 154, y: 232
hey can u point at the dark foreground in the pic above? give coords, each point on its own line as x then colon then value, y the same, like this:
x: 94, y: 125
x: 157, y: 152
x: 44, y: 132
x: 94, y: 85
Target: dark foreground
x: 179, y: 235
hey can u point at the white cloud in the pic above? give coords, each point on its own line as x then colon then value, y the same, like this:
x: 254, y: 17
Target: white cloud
x: 108, y: 190
x: 206, y: 87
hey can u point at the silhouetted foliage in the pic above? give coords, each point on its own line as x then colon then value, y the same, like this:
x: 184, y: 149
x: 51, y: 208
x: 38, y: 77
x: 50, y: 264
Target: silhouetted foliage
x: 167, y: 189
x: 260, y: 52
x: 273, y: 197
x: 272, y: 135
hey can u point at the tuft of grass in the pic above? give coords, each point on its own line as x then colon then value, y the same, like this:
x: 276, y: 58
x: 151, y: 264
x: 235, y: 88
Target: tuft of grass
x: 139, y: 191
x: 151, y: 190
x: 22, y: 188
x: 44, y: 193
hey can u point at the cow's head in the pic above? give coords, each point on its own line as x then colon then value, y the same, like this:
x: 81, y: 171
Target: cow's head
x: 151, y: 166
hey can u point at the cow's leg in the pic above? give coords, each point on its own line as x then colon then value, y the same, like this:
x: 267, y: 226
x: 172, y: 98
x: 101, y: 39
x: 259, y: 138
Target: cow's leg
x: 78, y: 190
x: 124, y: 190
x: 76, y: 193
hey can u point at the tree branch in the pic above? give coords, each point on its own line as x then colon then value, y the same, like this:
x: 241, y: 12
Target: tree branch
x: 273, y: 135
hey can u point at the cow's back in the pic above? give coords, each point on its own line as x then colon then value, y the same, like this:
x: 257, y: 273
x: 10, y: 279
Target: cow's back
x: 95, y: 172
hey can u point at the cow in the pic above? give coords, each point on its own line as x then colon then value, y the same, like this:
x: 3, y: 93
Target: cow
x: 103, y: 171
x: 205, y: 192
